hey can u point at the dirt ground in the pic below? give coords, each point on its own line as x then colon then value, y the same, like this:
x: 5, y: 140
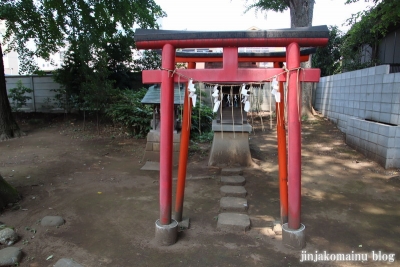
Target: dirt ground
x: 94, y: 182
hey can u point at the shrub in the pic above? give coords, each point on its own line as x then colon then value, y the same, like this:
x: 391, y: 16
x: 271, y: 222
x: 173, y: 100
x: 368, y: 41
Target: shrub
x: 127, y: 110
x: 18, y: 96
x: 201, y: 129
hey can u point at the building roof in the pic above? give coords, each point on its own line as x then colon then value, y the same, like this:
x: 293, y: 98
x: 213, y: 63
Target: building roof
x: 153, y: 94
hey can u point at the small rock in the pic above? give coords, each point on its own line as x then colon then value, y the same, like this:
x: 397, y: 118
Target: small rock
x: 67, y: 263
x: 278, y: 229
x: 10, y: 256
x: 52, y: 221
x: 8, y: 236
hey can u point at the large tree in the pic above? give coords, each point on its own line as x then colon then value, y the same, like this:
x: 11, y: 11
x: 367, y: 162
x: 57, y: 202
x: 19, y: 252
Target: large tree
x: 301, y: 15
x: 84, y: 27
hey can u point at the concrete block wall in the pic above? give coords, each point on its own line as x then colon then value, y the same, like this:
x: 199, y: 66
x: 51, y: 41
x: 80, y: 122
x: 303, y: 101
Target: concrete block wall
x: 42, y: 96
x: 377, y: 141
x: 360, y: 102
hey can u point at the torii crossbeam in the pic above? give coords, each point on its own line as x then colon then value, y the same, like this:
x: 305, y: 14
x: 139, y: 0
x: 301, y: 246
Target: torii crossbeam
x: 292, y: 40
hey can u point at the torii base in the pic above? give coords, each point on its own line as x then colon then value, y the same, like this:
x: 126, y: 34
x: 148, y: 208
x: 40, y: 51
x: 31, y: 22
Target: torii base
x: 166, y: 235
x: 294, y: 239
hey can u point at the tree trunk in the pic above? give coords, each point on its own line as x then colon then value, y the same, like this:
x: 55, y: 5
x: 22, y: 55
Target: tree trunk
x: 301, y: 15
x: 8, y: 126
x: 8, y: 194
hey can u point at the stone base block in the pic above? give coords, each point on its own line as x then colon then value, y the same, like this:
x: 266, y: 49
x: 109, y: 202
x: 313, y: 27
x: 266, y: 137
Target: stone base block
x: 230, y: 149
x: 294, y: 239
x: 166, y: 234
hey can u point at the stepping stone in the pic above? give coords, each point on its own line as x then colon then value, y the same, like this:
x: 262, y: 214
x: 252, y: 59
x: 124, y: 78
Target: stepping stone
x: 233, y: 222
x: 52, y: 221
x: 233, y: 191
x: 233, y: 180
x: 64, y: 262
x: 10, y: 256
x: 231, y: 171
x: 233, y: 204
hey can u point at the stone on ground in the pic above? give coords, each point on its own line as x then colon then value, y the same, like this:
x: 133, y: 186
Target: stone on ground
x: 52, y: 221
x: 231, y: 171
x: 10, y: 256
x: 184, y: 224
x: 151, y: 166
x: 8, y: 236
x: 67, y: 263
x: 233, y: 180
x: 278, y: 229
x: 233, y: 204
x: 233, y: 222
x: 233, y: 191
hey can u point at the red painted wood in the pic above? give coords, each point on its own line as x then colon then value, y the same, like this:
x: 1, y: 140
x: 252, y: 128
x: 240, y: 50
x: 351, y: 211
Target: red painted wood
x: 239, y: 76
x: 183, y: 152
x: 294, y: 138
x: 233, y: 42
x: 282, y: 155
x: 303, y: 58
x: 166, y: 136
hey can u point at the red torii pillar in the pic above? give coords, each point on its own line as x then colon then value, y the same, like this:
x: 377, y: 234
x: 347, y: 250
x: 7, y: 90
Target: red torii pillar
x: 166, y: 229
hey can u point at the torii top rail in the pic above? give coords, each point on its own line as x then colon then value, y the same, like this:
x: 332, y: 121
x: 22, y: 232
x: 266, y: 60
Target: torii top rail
x: 292, y: 39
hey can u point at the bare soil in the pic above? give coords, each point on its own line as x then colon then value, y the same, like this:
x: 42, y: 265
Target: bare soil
x: 93, y: 180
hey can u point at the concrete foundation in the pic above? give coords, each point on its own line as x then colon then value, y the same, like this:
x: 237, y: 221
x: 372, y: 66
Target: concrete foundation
x: 166, y: 234
x: 230, y: 145
x: 152, y: 152
x: 294, y: 239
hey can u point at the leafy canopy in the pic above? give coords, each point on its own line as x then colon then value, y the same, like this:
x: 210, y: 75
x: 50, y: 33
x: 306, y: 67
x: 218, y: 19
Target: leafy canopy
x: 264, y: 5
x: 83, y: 26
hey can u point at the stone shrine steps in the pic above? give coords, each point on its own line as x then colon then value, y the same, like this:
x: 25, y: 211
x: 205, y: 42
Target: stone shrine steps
x: 233, y: 204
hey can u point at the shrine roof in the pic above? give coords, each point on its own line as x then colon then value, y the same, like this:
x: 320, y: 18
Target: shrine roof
x: 153, y: 94
x: 304, y: 36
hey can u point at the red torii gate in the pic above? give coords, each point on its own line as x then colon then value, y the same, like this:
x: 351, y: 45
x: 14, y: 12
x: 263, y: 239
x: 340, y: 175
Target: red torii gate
x: 292, y: 39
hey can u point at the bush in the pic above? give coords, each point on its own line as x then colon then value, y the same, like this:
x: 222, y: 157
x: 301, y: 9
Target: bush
x: 18, y: 96
x: 201, y: 129
x: 127, y: 110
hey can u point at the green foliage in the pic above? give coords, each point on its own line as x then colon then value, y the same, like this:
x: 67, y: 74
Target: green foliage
x: 149, y: 60
x: 201, y: 123
x: 328, y: 58
x: 265, y: 5
x: 384, y: 14
x: 127, y: 110
x: 368, y: 29
x: 18, y: 96
x: 97, y: 89
x: 84, y: 26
